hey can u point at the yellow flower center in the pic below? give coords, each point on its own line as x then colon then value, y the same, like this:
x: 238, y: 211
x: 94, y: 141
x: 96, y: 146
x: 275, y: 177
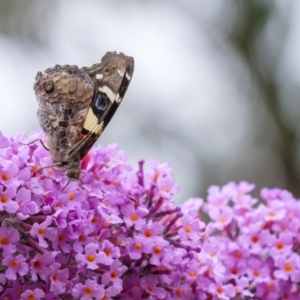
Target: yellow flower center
x: 4, y: 241
x: 42, y: 231
x: 88, y: 291
x: 134, y: 217
x: 138, y: 246
x: 54, y: 277
x: 37, y: 264
x: 4, y: 199
x: 157, y: 250
x: 5, y: 176
x: 90, y: 258
x: 288, y: 267
x: 148, y: 233
x: 188, y: 229
x: 114, y: 275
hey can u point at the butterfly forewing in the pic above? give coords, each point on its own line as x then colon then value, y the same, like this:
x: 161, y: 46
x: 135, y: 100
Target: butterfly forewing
x: 111, y: 79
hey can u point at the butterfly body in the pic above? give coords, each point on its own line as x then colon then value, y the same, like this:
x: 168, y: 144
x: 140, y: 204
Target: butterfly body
x: 76, y: 104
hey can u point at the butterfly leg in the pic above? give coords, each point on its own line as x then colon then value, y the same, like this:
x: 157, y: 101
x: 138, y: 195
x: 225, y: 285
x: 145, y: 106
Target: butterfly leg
x: 36, y: 141
x: 66, y: 185
x: 45, y: 167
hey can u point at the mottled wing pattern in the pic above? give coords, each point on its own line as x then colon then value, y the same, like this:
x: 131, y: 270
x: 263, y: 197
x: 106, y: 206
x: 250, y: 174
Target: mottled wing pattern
x: 64, y: 94
x: 75, y: 105
x: 111, y: 78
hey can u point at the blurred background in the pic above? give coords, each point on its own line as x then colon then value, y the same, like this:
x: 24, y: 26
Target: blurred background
x: 215, y: 91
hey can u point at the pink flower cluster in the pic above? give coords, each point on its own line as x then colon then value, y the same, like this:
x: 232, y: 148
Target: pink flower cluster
x: 117, y: 233
x: 257, y: 242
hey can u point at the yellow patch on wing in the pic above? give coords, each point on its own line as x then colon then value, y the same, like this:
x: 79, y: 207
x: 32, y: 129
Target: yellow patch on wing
x: 109, y: 93
x: 90, y: 121
x: 99, y: 128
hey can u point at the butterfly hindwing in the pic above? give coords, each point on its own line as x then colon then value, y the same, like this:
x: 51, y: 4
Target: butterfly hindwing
x: 64, y: 94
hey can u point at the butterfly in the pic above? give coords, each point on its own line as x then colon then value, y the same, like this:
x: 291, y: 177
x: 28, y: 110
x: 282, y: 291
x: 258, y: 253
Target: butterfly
x: 76, y: 104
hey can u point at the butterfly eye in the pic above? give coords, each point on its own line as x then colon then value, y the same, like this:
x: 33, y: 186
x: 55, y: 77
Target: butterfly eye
x: 49, y: 86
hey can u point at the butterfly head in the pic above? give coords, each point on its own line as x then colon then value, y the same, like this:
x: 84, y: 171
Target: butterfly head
x: 63, y: 83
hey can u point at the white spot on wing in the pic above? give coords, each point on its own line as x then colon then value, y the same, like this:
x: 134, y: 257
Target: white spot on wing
x: 120, y: 73
x: 99, y: 76
x: 128, y: 76
x: 118, y: 99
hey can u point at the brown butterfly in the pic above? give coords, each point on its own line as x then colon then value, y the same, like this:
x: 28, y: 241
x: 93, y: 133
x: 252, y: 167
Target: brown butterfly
x: 76, y: 104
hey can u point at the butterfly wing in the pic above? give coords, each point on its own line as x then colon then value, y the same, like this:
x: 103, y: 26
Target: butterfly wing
x: 111, y: 79
x: 64, y: 94
x: 75, y: 106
